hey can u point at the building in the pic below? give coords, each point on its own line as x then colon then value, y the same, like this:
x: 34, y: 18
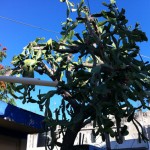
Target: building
x: 15, y: 125
x: 85, y: 136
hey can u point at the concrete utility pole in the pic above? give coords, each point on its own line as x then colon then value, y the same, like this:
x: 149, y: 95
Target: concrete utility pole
x: 30, y: 81
x: 108, y: 146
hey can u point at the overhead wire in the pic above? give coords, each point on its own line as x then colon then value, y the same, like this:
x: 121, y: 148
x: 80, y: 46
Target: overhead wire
x: 146, y: 56
x: 26, y: 24
x: 89, y: 5
x: 44, y: 29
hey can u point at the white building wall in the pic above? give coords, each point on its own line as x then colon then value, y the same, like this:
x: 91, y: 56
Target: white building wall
x: 85, y: 135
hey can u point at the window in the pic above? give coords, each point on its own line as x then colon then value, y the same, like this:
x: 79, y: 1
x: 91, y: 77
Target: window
x: 43, y: 138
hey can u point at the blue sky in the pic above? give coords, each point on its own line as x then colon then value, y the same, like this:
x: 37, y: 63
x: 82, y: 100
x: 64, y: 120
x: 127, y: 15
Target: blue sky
x: 49, y: 14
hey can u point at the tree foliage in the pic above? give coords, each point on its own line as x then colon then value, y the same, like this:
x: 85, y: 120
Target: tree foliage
x: 4, y: 87
x: 99, y: 70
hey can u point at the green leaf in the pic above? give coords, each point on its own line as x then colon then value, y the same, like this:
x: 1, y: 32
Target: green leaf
x: 108, y: 123
x: 19, y: 87
x: 97, y: 15
x: 50, y: 94
x: 104, y: 14
x: 101, y: 89
x: 28, y: 71
x: 39, y: 54
x: 103, y: 137
x: 38, y: 39
x: 138, y: 35
x: 82, y: 73
x: 105, y: 4
x: 81, y: 4
x: 96, y: 69
x: 112, y: 1
x: 125, y: 21
x: 49, y: 42
x: 124, y: 131
x: 68, y: 12
x: 73, y: 26
x: 62, y: 0
x: 31, y: 100
x: 131, y: 117
x: 79, y: 37
x: 139, y: 84
x: 30, y: 62
x: 71, y: 4
x: 71, y: 34
x: 102, y: 23
x: 111, y: 14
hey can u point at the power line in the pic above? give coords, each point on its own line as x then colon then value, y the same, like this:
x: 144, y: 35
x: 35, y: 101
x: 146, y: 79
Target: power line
x: 44, y: 29
x: 146, y: 56
x: 89, y: 5
x: 26, y: 24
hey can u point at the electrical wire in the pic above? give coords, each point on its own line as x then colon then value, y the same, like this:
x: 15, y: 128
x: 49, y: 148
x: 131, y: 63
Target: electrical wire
x: 26, y: 24
x: 146, y: 56
x: 89, y: 5
x: 44, y: 29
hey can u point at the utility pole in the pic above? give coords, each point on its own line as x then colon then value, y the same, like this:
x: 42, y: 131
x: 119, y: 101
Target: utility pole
x: 108, y: 146
x: 29, y: 81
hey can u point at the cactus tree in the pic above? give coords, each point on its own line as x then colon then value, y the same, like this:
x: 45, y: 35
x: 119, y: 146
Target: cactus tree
x: 99, y: 71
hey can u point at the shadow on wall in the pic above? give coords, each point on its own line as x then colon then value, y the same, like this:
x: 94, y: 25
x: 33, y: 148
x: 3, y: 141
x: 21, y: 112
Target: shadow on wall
x: 132, y: 144
x: 90, y: 147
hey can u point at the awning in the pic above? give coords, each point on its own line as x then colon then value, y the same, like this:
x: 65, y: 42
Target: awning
x: 17, y: 119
